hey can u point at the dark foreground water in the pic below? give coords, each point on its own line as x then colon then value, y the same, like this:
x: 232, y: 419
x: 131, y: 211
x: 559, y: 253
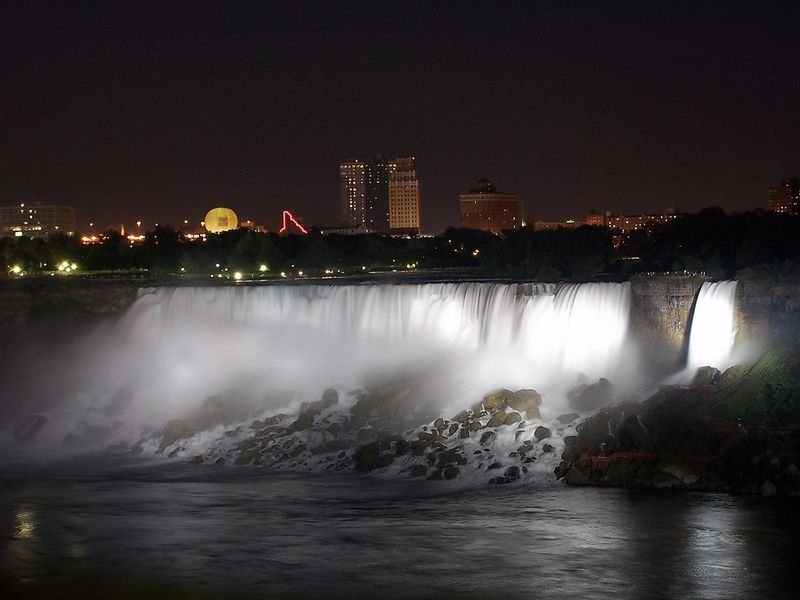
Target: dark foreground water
x: 178, y: 531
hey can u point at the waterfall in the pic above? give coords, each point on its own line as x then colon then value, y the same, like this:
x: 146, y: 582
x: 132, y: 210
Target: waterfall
x: 572, y: 327
x: 712, y: 331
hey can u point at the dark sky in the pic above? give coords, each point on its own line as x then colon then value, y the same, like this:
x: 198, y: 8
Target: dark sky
x: 159, y: 111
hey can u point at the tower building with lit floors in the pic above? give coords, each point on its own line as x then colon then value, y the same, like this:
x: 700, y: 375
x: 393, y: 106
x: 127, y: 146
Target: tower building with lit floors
x: 352, y: 193
x: 785, y: 198
x: 404, y: 200
x: 376, y: 193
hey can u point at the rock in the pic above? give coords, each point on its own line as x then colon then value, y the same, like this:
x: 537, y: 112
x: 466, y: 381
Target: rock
x: 547, y: 448
x: 568, y: 418
x: 495, y: 465
x: 525, y: 401
x: 449, y: 457
x: 463, y: 417
x: 496, y: 399
x: 197, y: 460
x: 541, y: 433
x: 488, y: 437
x: 511, y: 418
x: 256, y: 424
x: 684, y: 476
x: 430, y: 437
x: 632, y: 434
x: 453, y: 429
x: 767, y: 489
x: 418, y: 471
x: 732, y: 375
x: 173, y: 431
x: 706, y: 376
x: 450, y: 472
x: 439, y: 423
x: 511, y: 474
x: 28, y: 427
x: 474, y: 426
x: 220, y: 461
x: 592, y: 397
x: 309, y: 413
x: 497, y: 419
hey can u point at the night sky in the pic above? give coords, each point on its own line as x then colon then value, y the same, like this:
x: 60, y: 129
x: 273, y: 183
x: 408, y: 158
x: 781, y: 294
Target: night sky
x: 159, y: 111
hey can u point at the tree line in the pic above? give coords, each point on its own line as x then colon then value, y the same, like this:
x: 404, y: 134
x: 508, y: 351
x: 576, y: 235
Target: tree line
x: 710, y: 241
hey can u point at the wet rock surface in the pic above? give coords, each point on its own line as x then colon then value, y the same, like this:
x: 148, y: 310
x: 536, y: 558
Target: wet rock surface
x: 737, y: 431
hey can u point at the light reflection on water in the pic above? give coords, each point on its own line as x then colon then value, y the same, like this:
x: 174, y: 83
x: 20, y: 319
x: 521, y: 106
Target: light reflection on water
x: 257, y: 533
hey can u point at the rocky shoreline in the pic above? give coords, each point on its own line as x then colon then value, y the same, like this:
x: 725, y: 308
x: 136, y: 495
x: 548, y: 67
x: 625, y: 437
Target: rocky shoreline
x: 736, y: 431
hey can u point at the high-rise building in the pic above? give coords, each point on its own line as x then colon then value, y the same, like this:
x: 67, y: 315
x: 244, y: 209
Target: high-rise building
x: 785, y: 198
x: 352, y: 192
x: 36, y: 220
x: 376, y: 193
x: 404, y: 204
x: 483, y: 207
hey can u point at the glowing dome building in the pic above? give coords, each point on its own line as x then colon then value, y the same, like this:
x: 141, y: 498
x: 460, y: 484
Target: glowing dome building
x: 221, y: 219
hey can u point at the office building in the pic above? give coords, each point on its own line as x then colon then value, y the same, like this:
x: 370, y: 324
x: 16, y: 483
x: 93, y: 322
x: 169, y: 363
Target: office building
x: 352, y: 192
x: 36, y: 220
x: 483, y: 207
x: 404, y: 202
x: 785, y: 198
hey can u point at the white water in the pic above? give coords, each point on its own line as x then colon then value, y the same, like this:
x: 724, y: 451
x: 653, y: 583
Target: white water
x: 712, y: 331
x: 277, y: 346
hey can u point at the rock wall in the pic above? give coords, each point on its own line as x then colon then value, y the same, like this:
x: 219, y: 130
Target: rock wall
x: 767, y: 310
x: 661, y: 310
x: 28, y: 302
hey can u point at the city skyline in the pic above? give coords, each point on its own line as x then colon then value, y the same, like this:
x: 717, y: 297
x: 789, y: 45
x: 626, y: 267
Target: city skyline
x: 158, y: 113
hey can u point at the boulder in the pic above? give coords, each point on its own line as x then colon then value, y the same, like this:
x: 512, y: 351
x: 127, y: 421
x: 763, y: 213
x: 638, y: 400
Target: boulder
x: 567, y: 418
x: 541, y: 433
x: 450, y: 472
x: 511, y: 418
x: 488, y: 437
x: 706, y: 376
x: 587, y: 398
x: 418, y: 471
x: 28, y: 427
x: 525, y: 400
x: 496, y: 399
x: 497, y: 419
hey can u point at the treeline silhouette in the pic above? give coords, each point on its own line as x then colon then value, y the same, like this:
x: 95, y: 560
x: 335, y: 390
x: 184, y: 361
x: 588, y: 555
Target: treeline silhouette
x: 708, y: 241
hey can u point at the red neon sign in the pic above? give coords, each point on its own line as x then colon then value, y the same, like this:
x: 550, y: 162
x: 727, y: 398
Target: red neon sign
x: 287, y: 217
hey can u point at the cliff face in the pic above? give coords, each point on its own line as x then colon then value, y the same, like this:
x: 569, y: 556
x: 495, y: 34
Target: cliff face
x: 661, y: 309
x: 26, y: 302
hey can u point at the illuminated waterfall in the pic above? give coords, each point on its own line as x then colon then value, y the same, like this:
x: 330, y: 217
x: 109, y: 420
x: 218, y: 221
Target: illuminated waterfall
x: 712, y: 332
x: 541, y: 327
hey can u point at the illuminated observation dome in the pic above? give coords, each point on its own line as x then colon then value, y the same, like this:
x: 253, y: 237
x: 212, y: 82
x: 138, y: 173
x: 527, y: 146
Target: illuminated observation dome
x: 221, y: 219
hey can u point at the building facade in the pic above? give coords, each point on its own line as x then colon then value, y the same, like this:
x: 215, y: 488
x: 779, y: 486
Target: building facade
x: 352, y: 192
x: 404, y: 202
x: 36, y: 220
x: 785, y: 198
x: 376, y: 193
x: 483, y: 207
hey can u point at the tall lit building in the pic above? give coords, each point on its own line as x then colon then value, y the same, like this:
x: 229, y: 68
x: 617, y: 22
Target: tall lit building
x: 36, y: 220
x: 404, y: 204
x: 785, y: 198
x: 352, y: 192
x: 483, y: 207
x: 376, y: 193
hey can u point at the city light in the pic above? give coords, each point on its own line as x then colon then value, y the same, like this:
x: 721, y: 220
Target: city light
x: 237, y: 276
x: 289, y: 218
x: 263, y: 268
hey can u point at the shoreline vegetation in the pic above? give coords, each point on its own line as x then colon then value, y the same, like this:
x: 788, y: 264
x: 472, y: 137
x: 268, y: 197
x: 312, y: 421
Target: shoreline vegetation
x: 710, y: 242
